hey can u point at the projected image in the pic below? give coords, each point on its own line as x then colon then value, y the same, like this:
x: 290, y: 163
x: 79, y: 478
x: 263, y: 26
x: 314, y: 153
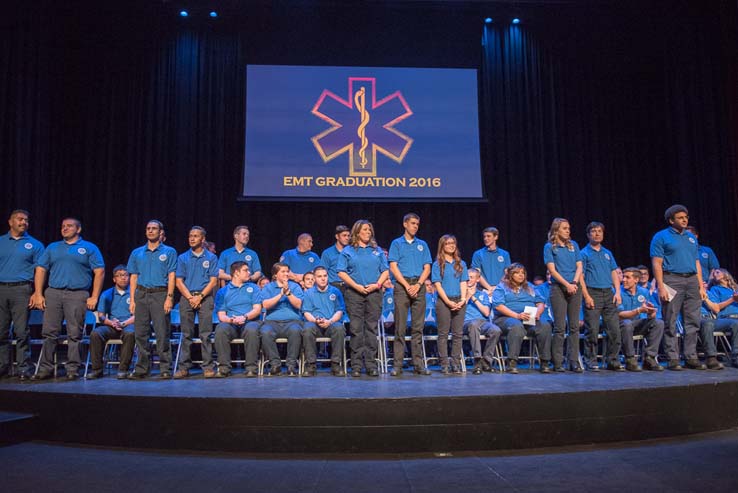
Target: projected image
x: 342, y: 133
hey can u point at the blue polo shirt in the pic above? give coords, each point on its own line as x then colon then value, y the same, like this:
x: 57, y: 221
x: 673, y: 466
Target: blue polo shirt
x: 634, y: 301
x: 70, y: 265
x: 115, y: 304
x: 718, y: 294
x: 491, y: 263
x: 237, y: 301
x: 679, y: 250
x: 708, y: 261
x: 18, y: 257
x: 363, y: 264
x: 197, y: 270
x: 515, y: 301
x: 283, y: 310
x: 451, y: 280
x: 472, y: 311
x: 544, y: 291
x: 323, y: 303
x: 231, y: 255
x: 329, y: 260
x: 597, y: 267
x: 411, y: 256
x: 564, y: 259
x: 152, y: 266
x: 300, y: 263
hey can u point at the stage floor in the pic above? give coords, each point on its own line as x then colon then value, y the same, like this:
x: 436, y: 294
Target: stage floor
x: 325, y: 386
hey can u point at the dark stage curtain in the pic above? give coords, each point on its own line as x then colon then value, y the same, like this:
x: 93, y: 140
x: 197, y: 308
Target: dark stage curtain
x: 117, y: 115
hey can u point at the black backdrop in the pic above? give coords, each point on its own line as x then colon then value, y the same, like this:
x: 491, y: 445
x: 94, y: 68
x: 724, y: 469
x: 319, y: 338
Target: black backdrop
x: 589, y: 110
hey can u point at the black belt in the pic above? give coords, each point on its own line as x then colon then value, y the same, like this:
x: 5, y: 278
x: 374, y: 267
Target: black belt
x: 412, y: 280
x: 157, y: 289
x: 195, y: 293
x: 69, y: 289
x: 19, y: 283
x: 681, y: 274
x: 338, y: 284
x: 599, y: 289
x: 453, y: 298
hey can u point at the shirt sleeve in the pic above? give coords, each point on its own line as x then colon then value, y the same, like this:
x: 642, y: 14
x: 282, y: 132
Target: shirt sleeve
x: 657, y: 246
x: 220, y: 300
x: 548, y: 254
x: 436, y: 273
x: 96, y: 258
x: 181, y: 268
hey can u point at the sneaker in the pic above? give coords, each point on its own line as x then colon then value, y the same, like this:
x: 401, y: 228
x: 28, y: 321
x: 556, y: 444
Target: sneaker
x: 248, y: 374
x: 650, y: 363
x: 121, y: 375
x: 422, y: 371
x: 165, y: 375
x: 310, y: 371
x: 456, y: 370
x: 559, y: 369
x: 181, y: 373
x: 222, y: 373
x: 356, y: 372
x: 337, y: 371
x: 445, y: 370
x: 632, y: 365
x: 208, y: 373
x: 92, y: 375
x: 134, y: 375
x: 373, y: 372
x: 674, y: 365
x: 615, y: 366
x: 291, y: 371
x: 713, y: 364
x: 275, y: 371
x: 486, y: 366
x: 576, y: 368
x: 695, y: 364
x: 593, y: 367
x: 512, y: 366
x: 42, y: 376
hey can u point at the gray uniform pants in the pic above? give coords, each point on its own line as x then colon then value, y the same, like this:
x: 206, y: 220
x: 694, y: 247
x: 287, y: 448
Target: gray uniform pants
x: 225, y: 333
x: 416, y: 306
x: 364, y: 312
x: 14, y: 308
x: 205, y: 329
x: 150, y: 310
x: 453, y: 322
x: 289, y: 329
x: 63, y: 305
x: 727, y: 325
x: 102, y: 335
x: 565, y: 309
x: 514, y: 330
x: 604, y: 306
x: 687, y: 301
x: 651, y: 328
x: 337, y: 333
x: 477, y: 328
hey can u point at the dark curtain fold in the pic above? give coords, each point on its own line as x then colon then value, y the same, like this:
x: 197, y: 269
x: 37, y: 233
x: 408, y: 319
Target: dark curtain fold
x: 611, y: 114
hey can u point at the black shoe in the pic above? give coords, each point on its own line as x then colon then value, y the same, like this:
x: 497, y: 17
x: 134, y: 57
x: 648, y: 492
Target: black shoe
x: 421, y: 371
x: 512, y: 366
x: 121, y: 375
x: 632, y: 365
x: 445, y: 370
x: 615, y: 367
x: 545, y: 368
x: 337, y: 371
x: 695, y: 364
x: 594, y: 367
x: 396, y: 372
x: 559, y: 369
x: 713, y: 364
x: 291, y: 371
x: 650, y: 363
x: 223, y: 373
x: 577, y: 368
x: 26, y: 375
x: 310, y: 372
x: 248, y: 374
x: 165, y: 375
x: 275, y: 371
x: 477, y: 370
x: 134, y: 375
x: 674, y: 365
x: 486, y: 366
x: 373, y: 372
x: 72, y: 375
x: 92, y: 375
x: 42, y: 376
x: 356, y: 372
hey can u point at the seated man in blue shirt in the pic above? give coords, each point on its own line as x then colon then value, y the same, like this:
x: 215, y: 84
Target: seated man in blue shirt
x: 477, y: 324
x: 238, y: 308
x: 115, y: 322
x: 638, y: 317
x: 722, y: 301
x: 323, y: 309
x: 300, y: 259
x: 282, y: 300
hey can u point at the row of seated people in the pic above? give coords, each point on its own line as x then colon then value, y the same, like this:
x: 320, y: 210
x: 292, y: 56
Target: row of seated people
x: 484, y: 316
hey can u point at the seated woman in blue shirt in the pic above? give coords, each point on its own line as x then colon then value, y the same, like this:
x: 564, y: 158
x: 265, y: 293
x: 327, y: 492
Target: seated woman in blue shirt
x: 722, y: 300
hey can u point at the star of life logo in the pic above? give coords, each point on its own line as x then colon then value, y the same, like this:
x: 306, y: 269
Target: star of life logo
x: 362, y: 126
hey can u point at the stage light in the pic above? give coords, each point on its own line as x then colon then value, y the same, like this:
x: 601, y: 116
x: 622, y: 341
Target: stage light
x: 183, y: 13
x: 213, y: 14
x: 488, y: 20
x: 516, y: 21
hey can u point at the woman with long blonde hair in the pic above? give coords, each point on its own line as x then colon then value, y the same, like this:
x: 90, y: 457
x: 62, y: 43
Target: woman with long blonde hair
x: 564, y: 261
x: 449, y: 275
